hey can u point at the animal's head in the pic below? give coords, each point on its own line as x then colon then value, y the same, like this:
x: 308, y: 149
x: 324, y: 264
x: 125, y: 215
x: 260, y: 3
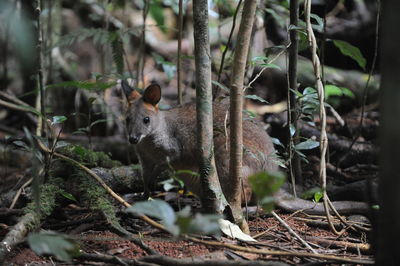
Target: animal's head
x: 143, y: 113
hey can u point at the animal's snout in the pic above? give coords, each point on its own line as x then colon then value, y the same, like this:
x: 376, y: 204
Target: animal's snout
x: 134, y: 139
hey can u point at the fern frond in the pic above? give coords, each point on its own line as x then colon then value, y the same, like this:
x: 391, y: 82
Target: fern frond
x: 117, y: 48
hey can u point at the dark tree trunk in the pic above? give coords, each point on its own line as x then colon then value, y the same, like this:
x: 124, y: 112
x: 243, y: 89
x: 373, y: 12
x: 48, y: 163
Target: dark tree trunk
x: 389, y: 217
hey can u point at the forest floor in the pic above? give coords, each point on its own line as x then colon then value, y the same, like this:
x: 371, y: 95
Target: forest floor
x: 95, y: 237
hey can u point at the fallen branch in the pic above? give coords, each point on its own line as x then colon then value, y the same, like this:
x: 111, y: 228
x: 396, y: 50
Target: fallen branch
x: 364, y: 248
x: 293, y: 232
x: 281, y: 253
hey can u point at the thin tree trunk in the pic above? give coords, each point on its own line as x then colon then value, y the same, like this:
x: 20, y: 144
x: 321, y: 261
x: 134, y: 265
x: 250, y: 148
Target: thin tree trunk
x: 213, y: 199
x: 236, y: 106
x: 389, y: 205
x: 294, y: 160
x: 179, y: 61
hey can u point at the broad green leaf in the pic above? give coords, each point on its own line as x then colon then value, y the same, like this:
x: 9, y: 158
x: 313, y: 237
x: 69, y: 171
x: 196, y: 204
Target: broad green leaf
x: 318, y: 196
x: 351, y: 51
x: 157, y: 12
x: 307, y: 145
x: 308, y: 194
x: 199, y: 224
x: 320, y: 22
x: 50, y: 243
x: 58, y: 119
x: 155, y: 208
x: 257, y: 98
x: 332, y: 90
x: 264, y: 185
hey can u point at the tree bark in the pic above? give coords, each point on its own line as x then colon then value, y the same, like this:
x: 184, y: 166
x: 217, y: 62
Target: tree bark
x: 389, y: 217
x: 213, y: 199
x: 236, y: 106
x: 294, y: 160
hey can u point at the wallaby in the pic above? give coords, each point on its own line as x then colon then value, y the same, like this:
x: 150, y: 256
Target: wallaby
x: 169, y: 137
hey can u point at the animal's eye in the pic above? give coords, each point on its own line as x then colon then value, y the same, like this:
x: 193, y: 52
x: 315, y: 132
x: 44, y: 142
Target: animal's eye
x: 146, y: 120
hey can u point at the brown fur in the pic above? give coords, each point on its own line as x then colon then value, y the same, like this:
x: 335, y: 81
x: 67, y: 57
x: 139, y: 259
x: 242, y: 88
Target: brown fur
x: 172, y: 134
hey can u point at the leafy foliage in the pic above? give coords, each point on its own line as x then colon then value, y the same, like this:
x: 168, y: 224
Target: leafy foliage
x: 58, y: 120
x: 177, y: 223
x: 265, y: 184
x: 352, y: 52
x: 51, y: 243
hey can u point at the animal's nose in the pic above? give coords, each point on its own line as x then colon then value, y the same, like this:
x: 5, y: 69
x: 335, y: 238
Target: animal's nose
x: 133, y: 139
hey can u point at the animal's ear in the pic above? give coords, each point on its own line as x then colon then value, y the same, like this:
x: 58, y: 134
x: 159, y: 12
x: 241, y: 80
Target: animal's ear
x: 130, y: 93
x: 152, y: 94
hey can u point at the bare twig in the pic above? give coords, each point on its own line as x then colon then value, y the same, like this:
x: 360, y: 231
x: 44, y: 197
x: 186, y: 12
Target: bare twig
x: 280, y: 253
x: 40, y: 80
x: 18, y: 194
x: 293, y: 232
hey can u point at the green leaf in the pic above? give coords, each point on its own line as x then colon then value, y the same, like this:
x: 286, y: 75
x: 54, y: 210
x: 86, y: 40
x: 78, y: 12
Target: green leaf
x: 310, y: 193
x: 277, y: 142
x: 61, y: 144
x: 307, y: 145
x: 58, y: 119
x: 265, y: 185
x: 155, y: 208
x: 332, y: 90
x: 352, y: 52
x: 270, y: 66
x: 68, y: 196
x: 21, y: 144
x: 257, y: 98
x: 199, y: 224
x: 259, y: 58
x: 157, y: 12
x: 318, y: 196
x: 320, y: 22
x: 220, y: 85
x: 50, y: 243
x: 292, y: 130
x: 249, y: 113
